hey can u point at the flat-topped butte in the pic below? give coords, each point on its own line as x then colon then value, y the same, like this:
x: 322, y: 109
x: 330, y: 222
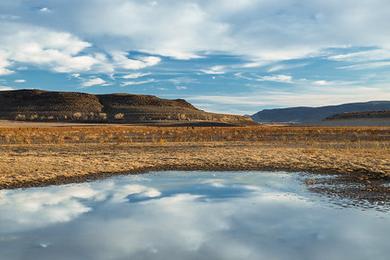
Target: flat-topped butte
x: 49, y: 106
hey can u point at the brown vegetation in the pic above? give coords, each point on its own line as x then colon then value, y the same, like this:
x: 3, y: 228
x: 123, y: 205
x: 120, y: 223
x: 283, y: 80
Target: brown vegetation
x: 153, y: 134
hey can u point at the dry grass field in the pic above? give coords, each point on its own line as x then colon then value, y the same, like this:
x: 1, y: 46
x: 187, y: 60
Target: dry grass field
x: 41, y: 154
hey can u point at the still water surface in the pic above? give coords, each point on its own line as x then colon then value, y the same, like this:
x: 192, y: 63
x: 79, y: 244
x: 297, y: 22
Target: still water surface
x: 188, y: 215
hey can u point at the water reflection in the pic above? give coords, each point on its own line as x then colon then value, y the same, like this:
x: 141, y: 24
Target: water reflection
x: 187, y: 215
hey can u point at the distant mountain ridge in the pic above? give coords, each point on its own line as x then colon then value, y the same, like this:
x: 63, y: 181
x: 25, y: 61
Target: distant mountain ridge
x: 40, y: 105
x: 309, y: 115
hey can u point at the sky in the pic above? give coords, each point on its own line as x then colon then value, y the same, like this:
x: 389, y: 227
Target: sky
x: 223, y: 55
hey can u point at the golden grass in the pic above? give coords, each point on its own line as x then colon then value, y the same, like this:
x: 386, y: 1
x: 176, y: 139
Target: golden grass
x: 142, y: 134
x: 31, y: 156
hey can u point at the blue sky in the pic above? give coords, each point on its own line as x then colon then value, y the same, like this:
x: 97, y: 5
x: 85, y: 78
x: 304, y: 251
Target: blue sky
x: 222, y: 55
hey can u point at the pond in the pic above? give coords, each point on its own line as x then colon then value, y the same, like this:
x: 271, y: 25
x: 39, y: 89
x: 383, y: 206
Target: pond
x: 188, y: 215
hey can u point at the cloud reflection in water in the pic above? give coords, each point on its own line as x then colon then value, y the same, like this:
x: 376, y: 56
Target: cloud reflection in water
x: 180, y: 215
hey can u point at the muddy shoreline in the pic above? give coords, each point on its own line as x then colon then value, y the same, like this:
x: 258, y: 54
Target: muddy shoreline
x: 61, y: 180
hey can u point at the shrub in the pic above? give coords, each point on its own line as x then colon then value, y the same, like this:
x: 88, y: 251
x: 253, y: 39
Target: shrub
x: 77, y: 115
x: 20, y: 117
x: 34, y: 117
x: 119, y: 116
x: 102, y: 116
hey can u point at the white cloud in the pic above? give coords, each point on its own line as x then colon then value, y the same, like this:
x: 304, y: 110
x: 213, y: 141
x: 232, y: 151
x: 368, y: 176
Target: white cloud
x: 94, y: 82
x: 276, y: 68
x: 5, y: 88
x: 181, y: 87
x: 4, y: 64
x: 45, y: 10
x: 322, y: 83
x: 20, y: 81
x: 58, y: 51
x: 135, y: 75
x: 270, y: 31
x: 150, y: 61
x: 215, y: 70
x: 5, y: 71
x: 254, y: 64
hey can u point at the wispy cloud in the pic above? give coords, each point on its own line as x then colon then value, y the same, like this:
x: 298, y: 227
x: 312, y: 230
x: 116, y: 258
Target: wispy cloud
x: 134, y: 83
x: 364, y: 60
x: 277, y: 78
x: 253, y: 64
x: 20, y: 81
x: 281, y: 67
x: 122, y: 61
x: 363, y: 56
x: 182, y: 80
x: 367, y: 65
x: 135, y: 75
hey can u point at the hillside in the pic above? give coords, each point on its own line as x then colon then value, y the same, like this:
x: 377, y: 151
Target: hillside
x: 309, y: 115
x: 377, y: 118
x: 39, y: 105
x: 361, y: 115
